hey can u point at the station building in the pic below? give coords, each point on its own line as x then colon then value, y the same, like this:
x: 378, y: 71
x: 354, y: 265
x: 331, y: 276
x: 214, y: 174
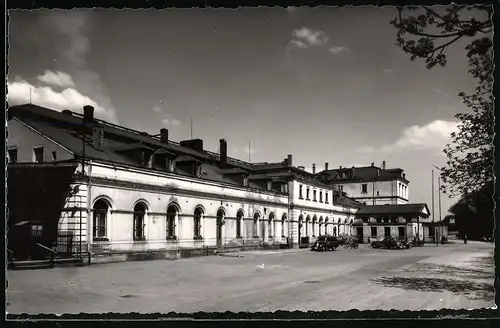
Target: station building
x: 114, y: 193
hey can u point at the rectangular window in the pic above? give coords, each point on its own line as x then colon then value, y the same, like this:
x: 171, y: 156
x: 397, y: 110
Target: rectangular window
x: 13, y: 155
x: 386, y: 220
x: 378, y: 193
x: 100, y: 223
x: 170, y: 226
x: 307, y: 194
x: 139, y: 226
x: 387, y: 231
x: 341, y: 188
x: 364, y: 188
x: 374, y: 231
x: 300, y: 191
x: 326, y: 197
x: 379, y: 220
x: 38, y: 154
x: 401, y: 231
x: 321, y: 197
x: 36, y: 230
x: 314, y: 195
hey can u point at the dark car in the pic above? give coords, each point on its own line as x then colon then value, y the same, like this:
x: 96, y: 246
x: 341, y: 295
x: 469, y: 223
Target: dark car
x: 386, y: 242
x: 325, y: 243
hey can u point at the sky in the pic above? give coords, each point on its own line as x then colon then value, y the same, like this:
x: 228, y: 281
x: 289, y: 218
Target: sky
x: 325, y: 84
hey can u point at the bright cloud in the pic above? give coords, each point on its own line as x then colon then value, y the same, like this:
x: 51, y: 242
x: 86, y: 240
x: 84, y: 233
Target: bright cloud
x: 432, y: 136
x: 311, y: 37
x: 171, y: 121
x: 21, y: 92
x: 298, y: 44
x: 56, y: 79
x: 337, y: 50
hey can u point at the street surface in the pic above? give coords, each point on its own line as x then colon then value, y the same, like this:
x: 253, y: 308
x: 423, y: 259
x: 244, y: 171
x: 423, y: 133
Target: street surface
x: 453, y: 276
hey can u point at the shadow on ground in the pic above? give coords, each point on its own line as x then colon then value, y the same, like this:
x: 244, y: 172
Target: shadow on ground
x: 479, y: 269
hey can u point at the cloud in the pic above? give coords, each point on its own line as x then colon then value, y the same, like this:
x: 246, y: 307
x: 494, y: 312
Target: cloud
x: 298, y: 44
x: 311, y: 37
x: 171, y: 121
x: 432, y: 136
x: 21, y: 91
x: 72, y: 51
x: 337, y: 50
x: 56, y: 79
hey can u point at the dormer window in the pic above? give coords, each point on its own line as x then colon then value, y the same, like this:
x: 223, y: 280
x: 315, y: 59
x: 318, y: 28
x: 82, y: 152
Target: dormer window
x: 198, y: 173
x: 269, y: 186
x: 245, y: 180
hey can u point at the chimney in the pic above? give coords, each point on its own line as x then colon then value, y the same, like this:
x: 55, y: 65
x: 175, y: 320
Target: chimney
x: 223, y: 153
x: 340, y: 167
x: 289, y: 160
x: 326, y: 166
x: 314, y: 168
x: 164, y: 136
x: 383, y: 165
x: 372, y: 164
x: 88, y: 114
x: 353, y: 170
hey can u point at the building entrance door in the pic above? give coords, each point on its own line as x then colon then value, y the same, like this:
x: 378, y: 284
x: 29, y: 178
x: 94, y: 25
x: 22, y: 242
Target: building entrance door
x: 220, y: 223
x: 359, y: 233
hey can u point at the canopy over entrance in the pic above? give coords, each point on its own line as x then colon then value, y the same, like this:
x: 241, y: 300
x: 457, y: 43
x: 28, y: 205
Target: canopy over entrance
x: 35, y: 198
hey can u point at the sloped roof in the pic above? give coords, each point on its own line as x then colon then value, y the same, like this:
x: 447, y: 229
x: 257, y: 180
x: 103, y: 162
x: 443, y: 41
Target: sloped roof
x: 361, y: 174
x: 394, y: 209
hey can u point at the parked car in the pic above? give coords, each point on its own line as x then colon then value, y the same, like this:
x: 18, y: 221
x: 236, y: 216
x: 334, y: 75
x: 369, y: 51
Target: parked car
x: 325, y: 243
x: 387, y: 242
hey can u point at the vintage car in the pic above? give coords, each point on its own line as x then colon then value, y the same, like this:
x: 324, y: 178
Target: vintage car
x: 325, y: 243
x: 387, y: 242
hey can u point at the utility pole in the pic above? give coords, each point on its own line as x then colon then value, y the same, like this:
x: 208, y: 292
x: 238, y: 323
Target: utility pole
x: 439, y: 200
x: 433, y: 218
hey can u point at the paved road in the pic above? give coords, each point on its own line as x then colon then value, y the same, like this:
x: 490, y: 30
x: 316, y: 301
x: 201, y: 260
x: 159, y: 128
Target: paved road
x: 450, y: 276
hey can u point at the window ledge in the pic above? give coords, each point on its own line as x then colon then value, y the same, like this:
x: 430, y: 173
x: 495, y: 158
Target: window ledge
x: 101, y: 239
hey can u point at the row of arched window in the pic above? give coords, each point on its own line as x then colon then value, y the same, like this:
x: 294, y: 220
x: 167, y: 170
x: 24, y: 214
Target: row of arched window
x: 102, y: 207
x: 321, y: 226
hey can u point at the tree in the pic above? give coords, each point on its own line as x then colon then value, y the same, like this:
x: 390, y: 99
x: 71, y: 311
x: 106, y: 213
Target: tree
x: 470, y: 156
x: 473, y: 213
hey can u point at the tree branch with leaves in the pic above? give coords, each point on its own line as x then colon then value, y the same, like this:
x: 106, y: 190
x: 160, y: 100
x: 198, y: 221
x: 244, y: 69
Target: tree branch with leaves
x: 425, y: 33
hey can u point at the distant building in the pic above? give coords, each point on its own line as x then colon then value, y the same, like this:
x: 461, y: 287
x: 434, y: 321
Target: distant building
x: 370, y: 185
x: 132, y: 195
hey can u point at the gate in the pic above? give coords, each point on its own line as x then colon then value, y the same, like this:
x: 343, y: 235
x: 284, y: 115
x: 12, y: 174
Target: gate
x: 65, y: 244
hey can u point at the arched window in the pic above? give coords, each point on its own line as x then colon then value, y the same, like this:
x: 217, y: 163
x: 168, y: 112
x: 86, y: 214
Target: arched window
x: 283, y: 219
x: 139, y: 222
x: 171, y: 215
x: 239, y: 219
x: 335, y: 231
x: 326, y: 226
x: 101, y: 208
x: 198, y: 213
x: 255, y: 230
x: 270, y: 225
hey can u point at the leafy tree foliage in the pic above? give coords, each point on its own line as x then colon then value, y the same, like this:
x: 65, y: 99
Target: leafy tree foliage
x: 473, y: 213
x: 426, y: 33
